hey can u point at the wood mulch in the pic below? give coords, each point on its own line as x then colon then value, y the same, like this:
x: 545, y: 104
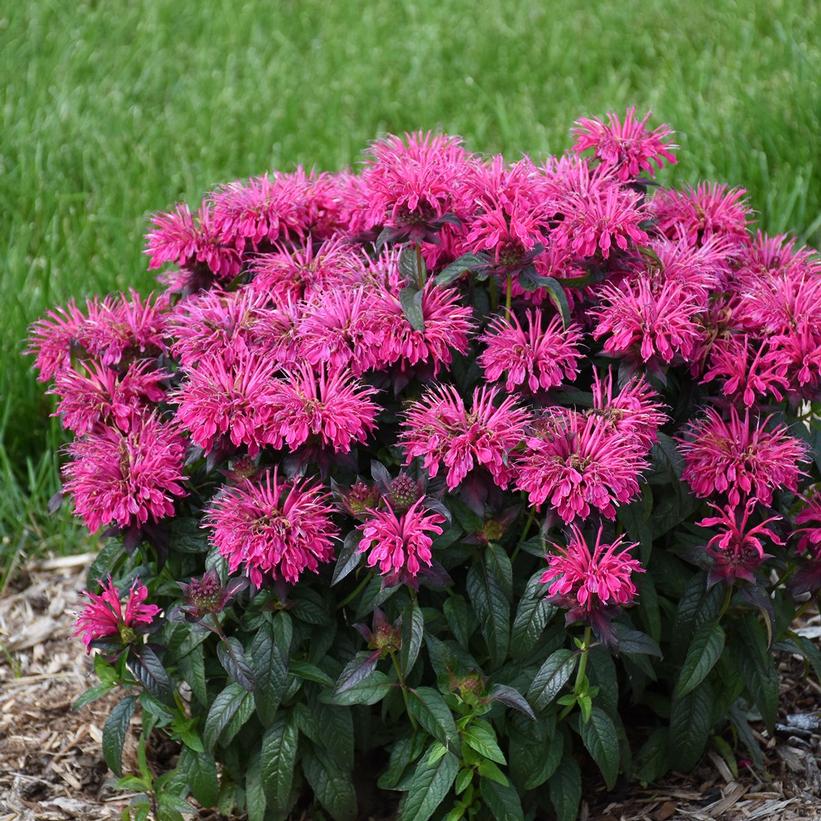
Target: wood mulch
x: 51, y: 767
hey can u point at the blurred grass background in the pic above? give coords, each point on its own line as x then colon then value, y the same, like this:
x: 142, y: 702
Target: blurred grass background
x: 111, y: 110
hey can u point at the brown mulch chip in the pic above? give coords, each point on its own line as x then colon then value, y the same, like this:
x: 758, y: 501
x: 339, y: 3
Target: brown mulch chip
x: 51, y: 767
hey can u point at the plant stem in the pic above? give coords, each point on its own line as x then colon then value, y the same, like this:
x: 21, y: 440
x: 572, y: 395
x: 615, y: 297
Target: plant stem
x: 356, y: 591
x: 580, y: 673
x: 404, y: 687
x: 508, y: 294
x: 530, y: 517
x: 728, y: 595
x: 420, y: 266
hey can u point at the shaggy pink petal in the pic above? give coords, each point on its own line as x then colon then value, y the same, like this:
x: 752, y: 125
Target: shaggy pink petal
x: 105, y: 616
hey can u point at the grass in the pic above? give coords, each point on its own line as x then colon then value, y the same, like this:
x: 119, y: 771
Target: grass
x: 112, y: 110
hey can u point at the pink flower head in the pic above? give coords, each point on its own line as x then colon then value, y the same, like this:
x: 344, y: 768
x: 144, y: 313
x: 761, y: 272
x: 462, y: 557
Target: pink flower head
x: 400, y: 544
x: 533, y: 356
x: 329, y: 405
x: 737, y: 548
x: 597, y: 214
x: 416, y: 181
x: 810, y: 534
x: 335, y: 329
x: 653, y: 324
x: 699, y: 213
x: 54, y: 338
x: 765, y: 255
x: 750, y: 370
x: 440, y: 430
x: 217, y: 323
x: 446, y: 326
x: 94, y: 394
x: 589, y: 580
x: 740, y: 458
x: 272, y: 528
x: 277, y: 334
x: 236, y: 401
x: 126, y: 478
x: 800, y: 350
x: 106, y: 616
x: 625, y: 148
x: 179, y: 238
x: 778, y: 303
x: 634, y: 411
x: 706, y: 267
x: 577, y: 463
x: 290, y: 274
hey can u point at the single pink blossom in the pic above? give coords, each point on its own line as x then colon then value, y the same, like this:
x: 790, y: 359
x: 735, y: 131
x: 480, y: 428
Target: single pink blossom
x: 54, y: 339
x: 534, y: 356
x: 809, y: 517
x: 107, y: 616
x: 399, y: 543
x: 440, y: 430
x: 272, y: 528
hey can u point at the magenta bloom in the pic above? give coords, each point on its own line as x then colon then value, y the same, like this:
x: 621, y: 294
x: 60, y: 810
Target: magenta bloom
x: 749, y: 371
x: 737, y: 548
x: 625, y: 148
x: 272, y: 528
x: 440, y: 430
x: 709, y: 210
x: 95, y: 394
x: 446, y: 327
x: 126, y: 478
x: 216, y: 401
x: 330, y: 406
x: 106, y: 616
x: 53, y: 340
x: 577, y: 463
x: 588, y: 581
x: 740, y: 458
x: 531, y: 356
x: 810, y: 517
x: 652, y: 324
x: 399, y: 544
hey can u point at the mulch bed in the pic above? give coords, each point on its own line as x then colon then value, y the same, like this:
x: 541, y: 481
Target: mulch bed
x: 51, y: 766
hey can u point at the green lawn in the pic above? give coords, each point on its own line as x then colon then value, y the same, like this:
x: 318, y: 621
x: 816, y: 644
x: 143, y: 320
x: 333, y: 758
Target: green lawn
x: 111, y: 110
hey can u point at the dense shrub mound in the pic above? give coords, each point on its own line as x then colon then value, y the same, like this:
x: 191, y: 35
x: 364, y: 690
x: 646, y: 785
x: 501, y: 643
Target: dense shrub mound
x: 432, y: 483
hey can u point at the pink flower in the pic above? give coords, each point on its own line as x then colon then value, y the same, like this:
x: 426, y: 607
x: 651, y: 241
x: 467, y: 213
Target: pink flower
x: 531, y: 356
x: 179, y: 238
x: 272, y: 528
x: 626, y: 148
x: 95, y: 394
x: 588, y: 581
x: 53, y: 339
x: 105, y: 616
x: 126, y: 478
x: 277, y: 333
x: 699, y: 213
x: 779, y: 255
x: 749, y: 370
x: 706, y: 267
x: 414, y: 182
x: 596, y: 212
x: 440, y: 430
x: 810, y: 516
x: 634, y: 411
x: 329, y: 405
x: 651, y: 323
x: 740, y: 458
x: 737, y: 549
x: 446, y: 326
x: 237, y: 401
x: 399, y: 544
x: 576, y: 463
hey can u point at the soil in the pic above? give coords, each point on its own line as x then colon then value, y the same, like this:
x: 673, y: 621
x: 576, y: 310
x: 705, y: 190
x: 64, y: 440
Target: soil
x: 51, y: 766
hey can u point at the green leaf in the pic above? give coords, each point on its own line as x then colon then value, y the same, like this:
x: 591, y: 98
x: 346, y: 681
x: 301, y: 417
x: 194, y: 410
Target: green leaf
x: 427, y: 789
x: 551, y: 677
x: 412, y: 265
x: 565, y: 787
x: 337, y: 732
x: 481, y: 737
x: 358, y: 668
x: 269, y: 663
x: 147, y: 668
x: 92, y: 694
x: 310, y: 607
x: 532, y: 615
x: 411, y: 300
x: 115, y: 731
x: 255, y: 802
x: 229, y: 703
x: 309, y: 672
x: 502, y: 800
x: 369, y: 690
x: 758, y: 668
x: 459, y: 266
x: 192, y: 668
x: 403, y: 754
x: 634, y: 641
x: 277, y: 761
x: 510, y: 697
x: 535, y: 750
x: 460, y: 619
x: 652, y: 760
x: 429, y: 709
x: 705, y: 649
x: 602, y: 742
x: 690, y: 725
x: 635, y: 518
x: 231, y: 656
x: 487, y: 582
x: 104, y: 563
x: 186, y: 536
x: 349, y: 557
x: 413, y: 631
x: 202, y: 778
x: 332, y: 787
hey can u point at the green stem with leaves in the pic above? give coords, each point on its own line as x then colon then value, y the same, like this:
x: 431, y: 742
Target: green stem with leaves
x: 528, y: 522
x: 404, y: 688
x: 508, y: 295
x: 356, y: 591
